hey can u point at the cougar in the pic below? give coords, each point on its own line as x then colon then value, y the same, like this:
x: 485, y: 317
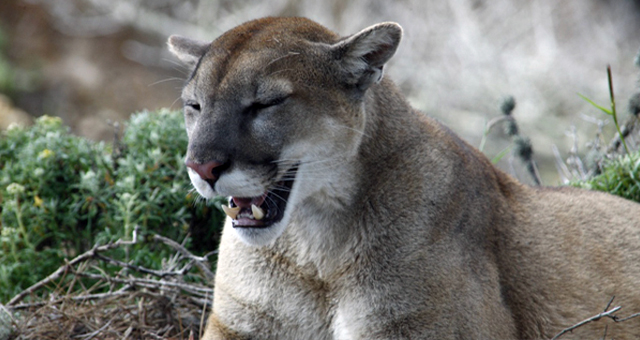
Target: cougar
x: 353, y: 216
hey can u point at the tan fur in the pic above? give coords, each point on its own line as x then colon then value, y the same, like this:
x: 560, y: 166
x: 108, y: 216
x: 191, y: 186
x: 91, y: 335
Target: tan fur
x: 395, y: 228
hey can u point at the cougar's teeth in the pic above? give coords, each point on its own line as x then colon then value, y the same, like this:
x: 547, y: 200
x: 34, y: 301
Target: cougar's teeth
x: 231, y: 212
x: 258, y: 213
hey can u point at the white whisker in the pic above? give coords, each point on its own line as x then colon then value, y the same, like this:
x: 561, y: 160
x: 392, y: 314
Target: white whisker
x: 290, y: 54
x: 166, y: 80
x: 353, y: 129
x: 277, y: 196
x: 178, y: 66
x: 300, y: 163
x: 281, y: 188
x: 175, y: 101
x: 280, y: 71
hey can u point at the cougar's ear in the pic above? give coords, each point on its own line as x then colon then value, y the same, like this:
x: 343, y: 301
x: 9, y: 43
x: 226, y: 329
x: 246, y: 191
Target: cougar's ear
x: 189, y: 51
x: 363, y: 55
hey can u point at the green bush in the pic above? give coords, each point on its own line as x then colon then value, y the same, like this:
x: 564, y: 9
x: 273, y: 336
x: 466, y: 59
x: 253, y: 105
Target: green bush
x: 620, y: 176
x: 60, y: 194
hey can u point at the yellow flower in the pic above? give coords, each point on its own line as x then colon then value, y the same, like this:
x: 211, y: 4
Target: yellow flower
x: 49, y: 121
x: 46, y: 153
x: 37, y: 201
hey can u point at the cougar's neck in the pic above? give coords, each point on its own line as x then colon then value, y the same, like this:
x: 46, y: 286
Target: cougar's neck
x: 393, y: 130
x: 414, y: 168
x: 326, y: 226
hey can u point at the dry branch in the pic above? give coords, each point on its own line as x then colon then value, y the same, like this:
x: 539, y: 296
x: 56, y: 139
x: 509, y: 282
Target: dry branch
x: 65, y: 268
x: 607, y: 313
x: 201, y: 262
x: 134, y: 303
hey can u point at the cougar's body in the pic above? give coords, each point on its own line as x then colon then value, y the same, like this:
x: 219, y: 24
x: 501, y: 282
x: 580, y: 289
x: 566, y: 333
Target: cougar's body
x: 353, y: 216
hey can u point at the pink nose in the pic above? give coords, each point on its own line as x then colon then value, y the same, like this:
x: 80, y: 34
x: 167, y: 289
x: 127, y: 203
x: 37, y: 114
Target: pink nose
x: 206, y: 170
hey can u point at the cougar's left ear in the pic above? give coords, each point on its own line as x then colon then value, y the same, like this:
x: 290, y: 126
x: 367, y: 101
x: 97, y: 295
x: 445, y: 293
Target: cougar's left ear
x: 189, y: 51
x: 363, y: 55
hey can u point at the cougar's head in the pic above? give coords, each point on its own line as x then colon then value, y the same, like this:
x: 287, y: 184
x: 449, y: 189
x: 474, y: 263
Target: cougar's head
x: 270, y: 107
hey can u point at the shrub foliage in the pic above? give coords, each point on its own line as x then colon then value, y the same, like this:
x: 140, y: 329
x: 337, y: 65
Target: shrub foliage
x: 60, y: 194
x: 620, y: 176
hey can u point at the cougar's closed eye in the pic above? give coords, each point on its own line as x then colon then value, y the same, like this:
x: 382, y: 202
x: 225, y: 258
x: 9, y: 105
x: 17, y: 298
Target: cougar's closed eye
x: 263, y: 104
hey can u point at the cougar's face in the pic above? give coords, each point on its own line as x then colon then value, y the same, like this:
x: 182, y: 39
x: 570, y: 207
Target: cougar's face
x: 265, y: 126
x: 273, y: 110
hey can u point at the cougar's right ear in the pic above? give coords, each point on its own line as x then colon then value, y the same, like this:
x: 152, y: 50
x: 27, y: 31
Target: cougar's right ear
x: 189, y: 51
x: 362, y: 56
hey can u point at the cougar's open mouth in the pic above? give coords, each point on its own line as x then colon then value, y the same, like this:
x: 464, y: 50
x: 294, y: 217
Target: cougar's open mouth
x: 264, y: 210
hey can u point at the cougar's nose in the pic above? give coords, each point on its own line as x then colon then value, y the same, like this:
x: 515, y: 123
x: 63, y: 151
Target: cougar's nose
x: 209, y: 170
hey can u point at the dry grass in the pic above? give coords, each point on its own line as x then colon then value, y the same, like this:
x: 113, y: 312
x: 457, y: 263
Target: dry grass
x: 133, y: 303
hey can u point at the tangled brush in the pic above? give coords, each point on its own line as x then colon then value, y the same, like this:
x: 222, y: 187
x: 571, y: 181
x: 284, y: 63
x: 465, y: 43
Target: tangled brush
x: 82, y: 300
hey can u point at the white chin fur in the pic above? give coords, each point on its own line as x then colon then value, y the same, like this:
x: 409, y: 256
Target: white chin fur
x: 259, y: 237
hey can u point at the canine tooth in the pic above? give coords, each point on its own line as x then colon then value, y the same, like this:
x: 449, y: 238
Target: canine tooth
x: 231, y: 212
x: 258, y: 213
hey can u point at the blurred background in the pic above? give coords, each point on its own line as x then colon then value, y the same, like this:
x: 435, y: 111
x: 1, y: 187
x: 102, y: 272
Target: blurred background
x: 95, y: 62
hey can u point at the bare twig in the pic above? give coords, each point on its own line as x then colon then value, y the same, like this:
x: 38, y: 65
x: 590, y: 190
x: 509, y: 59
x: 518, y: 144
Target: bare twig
x: 596, y: 317
x: 522, y: 144
x: 159, y: 305
x: 604, y: 336
x: 201, y: 322
x: 496, y: 120
x: 561, y: 166
x: 605, y: 314
x: 493, y: 122
x: 144, y: 270
x: 201, y: 262
x: 627, y: 129
x: 609, y: 304
x: 62, y: 270
x: 149, y: 283
x: 627, y: 318
x: 101, y: 296
x: 96, y: 332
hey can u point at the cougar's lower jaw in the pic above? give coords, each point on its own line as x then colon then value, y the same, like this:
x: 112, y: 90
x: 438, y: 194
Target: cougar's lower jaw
x: 262, y: 211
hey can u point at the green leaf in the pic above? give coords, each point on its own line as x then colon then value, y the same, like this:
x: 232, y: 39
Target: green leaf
x: 605, y: 110
x: 500, y: 155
